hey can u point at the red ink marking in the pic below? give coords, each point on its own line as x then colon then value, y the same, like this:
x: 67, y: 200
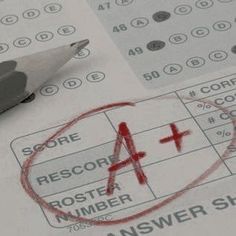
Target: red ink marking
x: 25, y: 182
x: 134, y: 158
x: 177, y: 137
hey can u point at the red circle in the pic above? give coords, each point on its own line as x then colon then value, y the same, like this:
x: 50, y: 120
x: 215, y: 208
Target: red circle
x: 30, y: 160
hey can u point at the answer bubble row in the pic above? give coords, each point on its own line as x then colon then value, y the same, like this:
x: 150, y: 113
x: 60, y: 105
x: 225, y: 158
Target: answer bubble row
x: 197, y: 32
x: 43, y: 36
x: 200, y: 32
x: 185, y: 9
x: 195, y: 63
x: 160, y: 16
x: 30, y: 14
x: 72, y: 83
x: 181, y: 9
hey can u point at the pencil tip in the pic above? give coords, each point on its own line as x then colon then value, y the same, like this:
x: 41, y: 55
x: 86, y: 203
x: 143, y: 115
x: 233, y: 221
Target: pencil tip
x: 80, y: 45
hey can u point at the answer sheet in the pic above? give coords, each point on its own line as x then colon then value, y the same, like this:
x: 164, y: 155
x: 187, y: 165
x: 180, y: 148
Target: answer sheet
x: 136, y: 134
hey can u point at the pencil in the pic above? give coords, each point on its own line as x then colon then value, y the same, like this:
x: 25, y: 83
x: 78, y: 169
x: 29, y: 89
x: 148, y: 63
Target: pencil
x: 20, y: 77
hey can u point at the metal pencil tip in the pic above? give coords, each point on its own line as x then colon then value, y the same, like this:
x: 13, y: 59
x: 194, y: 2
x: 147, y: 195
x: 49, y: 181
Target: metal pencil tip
x: 80, y: 45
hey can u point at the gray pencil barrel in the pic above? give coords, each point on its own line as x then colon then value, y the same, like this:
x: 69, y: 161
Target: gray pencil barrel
x: 22, y: 76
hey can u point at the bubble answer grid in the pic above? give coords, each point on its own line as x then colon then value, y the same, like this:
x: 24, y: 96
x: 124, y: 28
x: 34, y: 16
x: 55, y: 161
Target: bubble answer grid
x: 169, y: 41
